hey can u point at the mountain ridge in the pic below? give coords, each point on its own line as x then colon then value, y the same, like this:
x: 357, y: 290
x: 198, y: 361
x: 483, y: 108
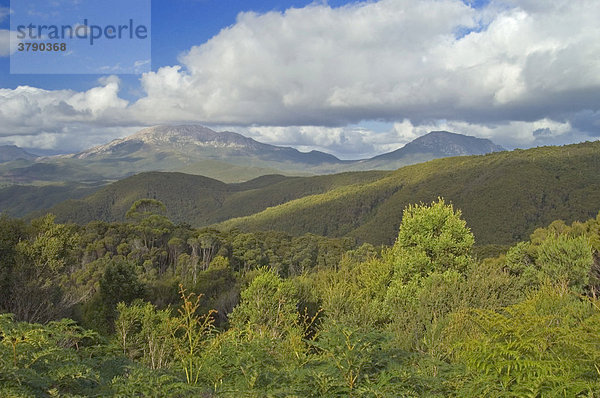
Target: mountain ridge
x: 186, y: 138
x: 227, y: 156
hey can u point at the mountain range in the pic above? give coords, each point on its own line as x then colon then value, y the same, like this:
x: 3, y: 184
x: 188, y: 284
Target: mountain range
x: 504, y: 196
x: 226, y: 156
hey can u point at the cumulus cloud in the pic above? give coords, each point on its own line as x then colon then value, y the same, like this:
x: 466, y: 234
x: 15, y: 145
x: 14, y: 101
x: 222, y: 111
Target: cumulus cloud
x: 392, y: 59
x: 29, y: 110
x: 311, y: 76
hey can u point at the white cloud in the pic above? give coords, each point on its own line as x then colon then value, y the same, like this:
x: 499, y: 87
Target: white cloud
x: 355, y: 142
x: 29, y: 110
x: 392, y: 59
x: 68, y: 139
x: 351, y: 142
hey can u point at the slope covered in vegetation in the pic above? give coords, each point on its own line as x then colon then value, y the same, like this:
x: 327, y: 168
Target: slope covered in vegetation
x: 198, y: 200
x: 504, y: 196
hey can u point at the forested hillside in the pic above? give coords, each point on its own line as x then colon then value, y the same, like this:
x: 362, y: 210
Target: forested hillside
x: 198, y: 200
x: 22, y: 200
x: 300, y: 199
x: 504, y: 196
x: 166, y: 310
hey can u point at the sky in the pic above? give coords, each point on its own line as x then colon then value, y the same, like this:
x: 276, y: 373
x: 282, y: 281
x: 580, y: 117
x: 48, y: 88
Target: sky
x: 352, y: 78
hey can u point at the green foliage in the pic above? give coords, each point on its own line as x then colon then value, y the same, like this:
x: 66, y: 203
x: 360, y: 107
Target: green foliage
x: 52, y: 360
x: 140, y: 381
x: 193, y: 330
x: 316, y: 316
x: 350, y: 356
x: 268, y: 307
x: 548, y: 345
x: 144, y: 208
x: 11, y: 232
x: 39, y: 265
x: 418, y: 307
x: 559, y: 258
x: 220, y: 289
x: 146, y: 334
x: 489, y: 285
x: 565, y: 259
x: 431, y: 239
x: 119, y: 283
x: 354, y: 294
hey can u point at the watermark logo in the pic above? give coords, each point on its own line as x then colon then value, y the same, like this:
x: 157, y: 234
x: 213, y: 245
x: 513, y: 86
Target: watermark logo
x: 80, y: 36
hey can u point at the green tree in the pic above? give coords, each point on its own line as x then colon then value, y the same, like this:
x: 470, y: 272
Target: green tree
x: 431, y: 238
x: 268, y: 306
x: 150, y: 222
x: 247, y: 252
x: 431, y: 258
x: 11, y: 232
x: 119, y: 283
x: 565, y: 259
x: 44, y: 262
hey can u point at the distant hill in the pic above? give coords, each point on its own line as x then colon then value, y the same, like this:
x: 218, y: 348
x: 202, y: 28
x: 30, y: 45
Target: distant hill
x: 199, y: 200
x: 434, y: 145
x: 9, y: 153
x: 504, y: 196
x: 21, y: 200
x: 226, y: 156
x: 444, y: 144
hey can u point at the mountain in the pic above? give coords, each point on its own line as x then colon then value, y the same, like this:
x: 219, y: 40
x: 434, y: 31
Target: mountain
x: 201, y: 142
x: 504, y: 196
x: 434, y: 145
x: 443, y: 144
x: 226, y: 156
x: 9, y: 153
x: 201, y: 151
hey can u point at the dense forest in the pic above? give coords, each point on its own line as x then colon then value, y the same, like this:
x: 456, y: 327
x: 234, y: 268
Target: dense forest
x: 149, y: 308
